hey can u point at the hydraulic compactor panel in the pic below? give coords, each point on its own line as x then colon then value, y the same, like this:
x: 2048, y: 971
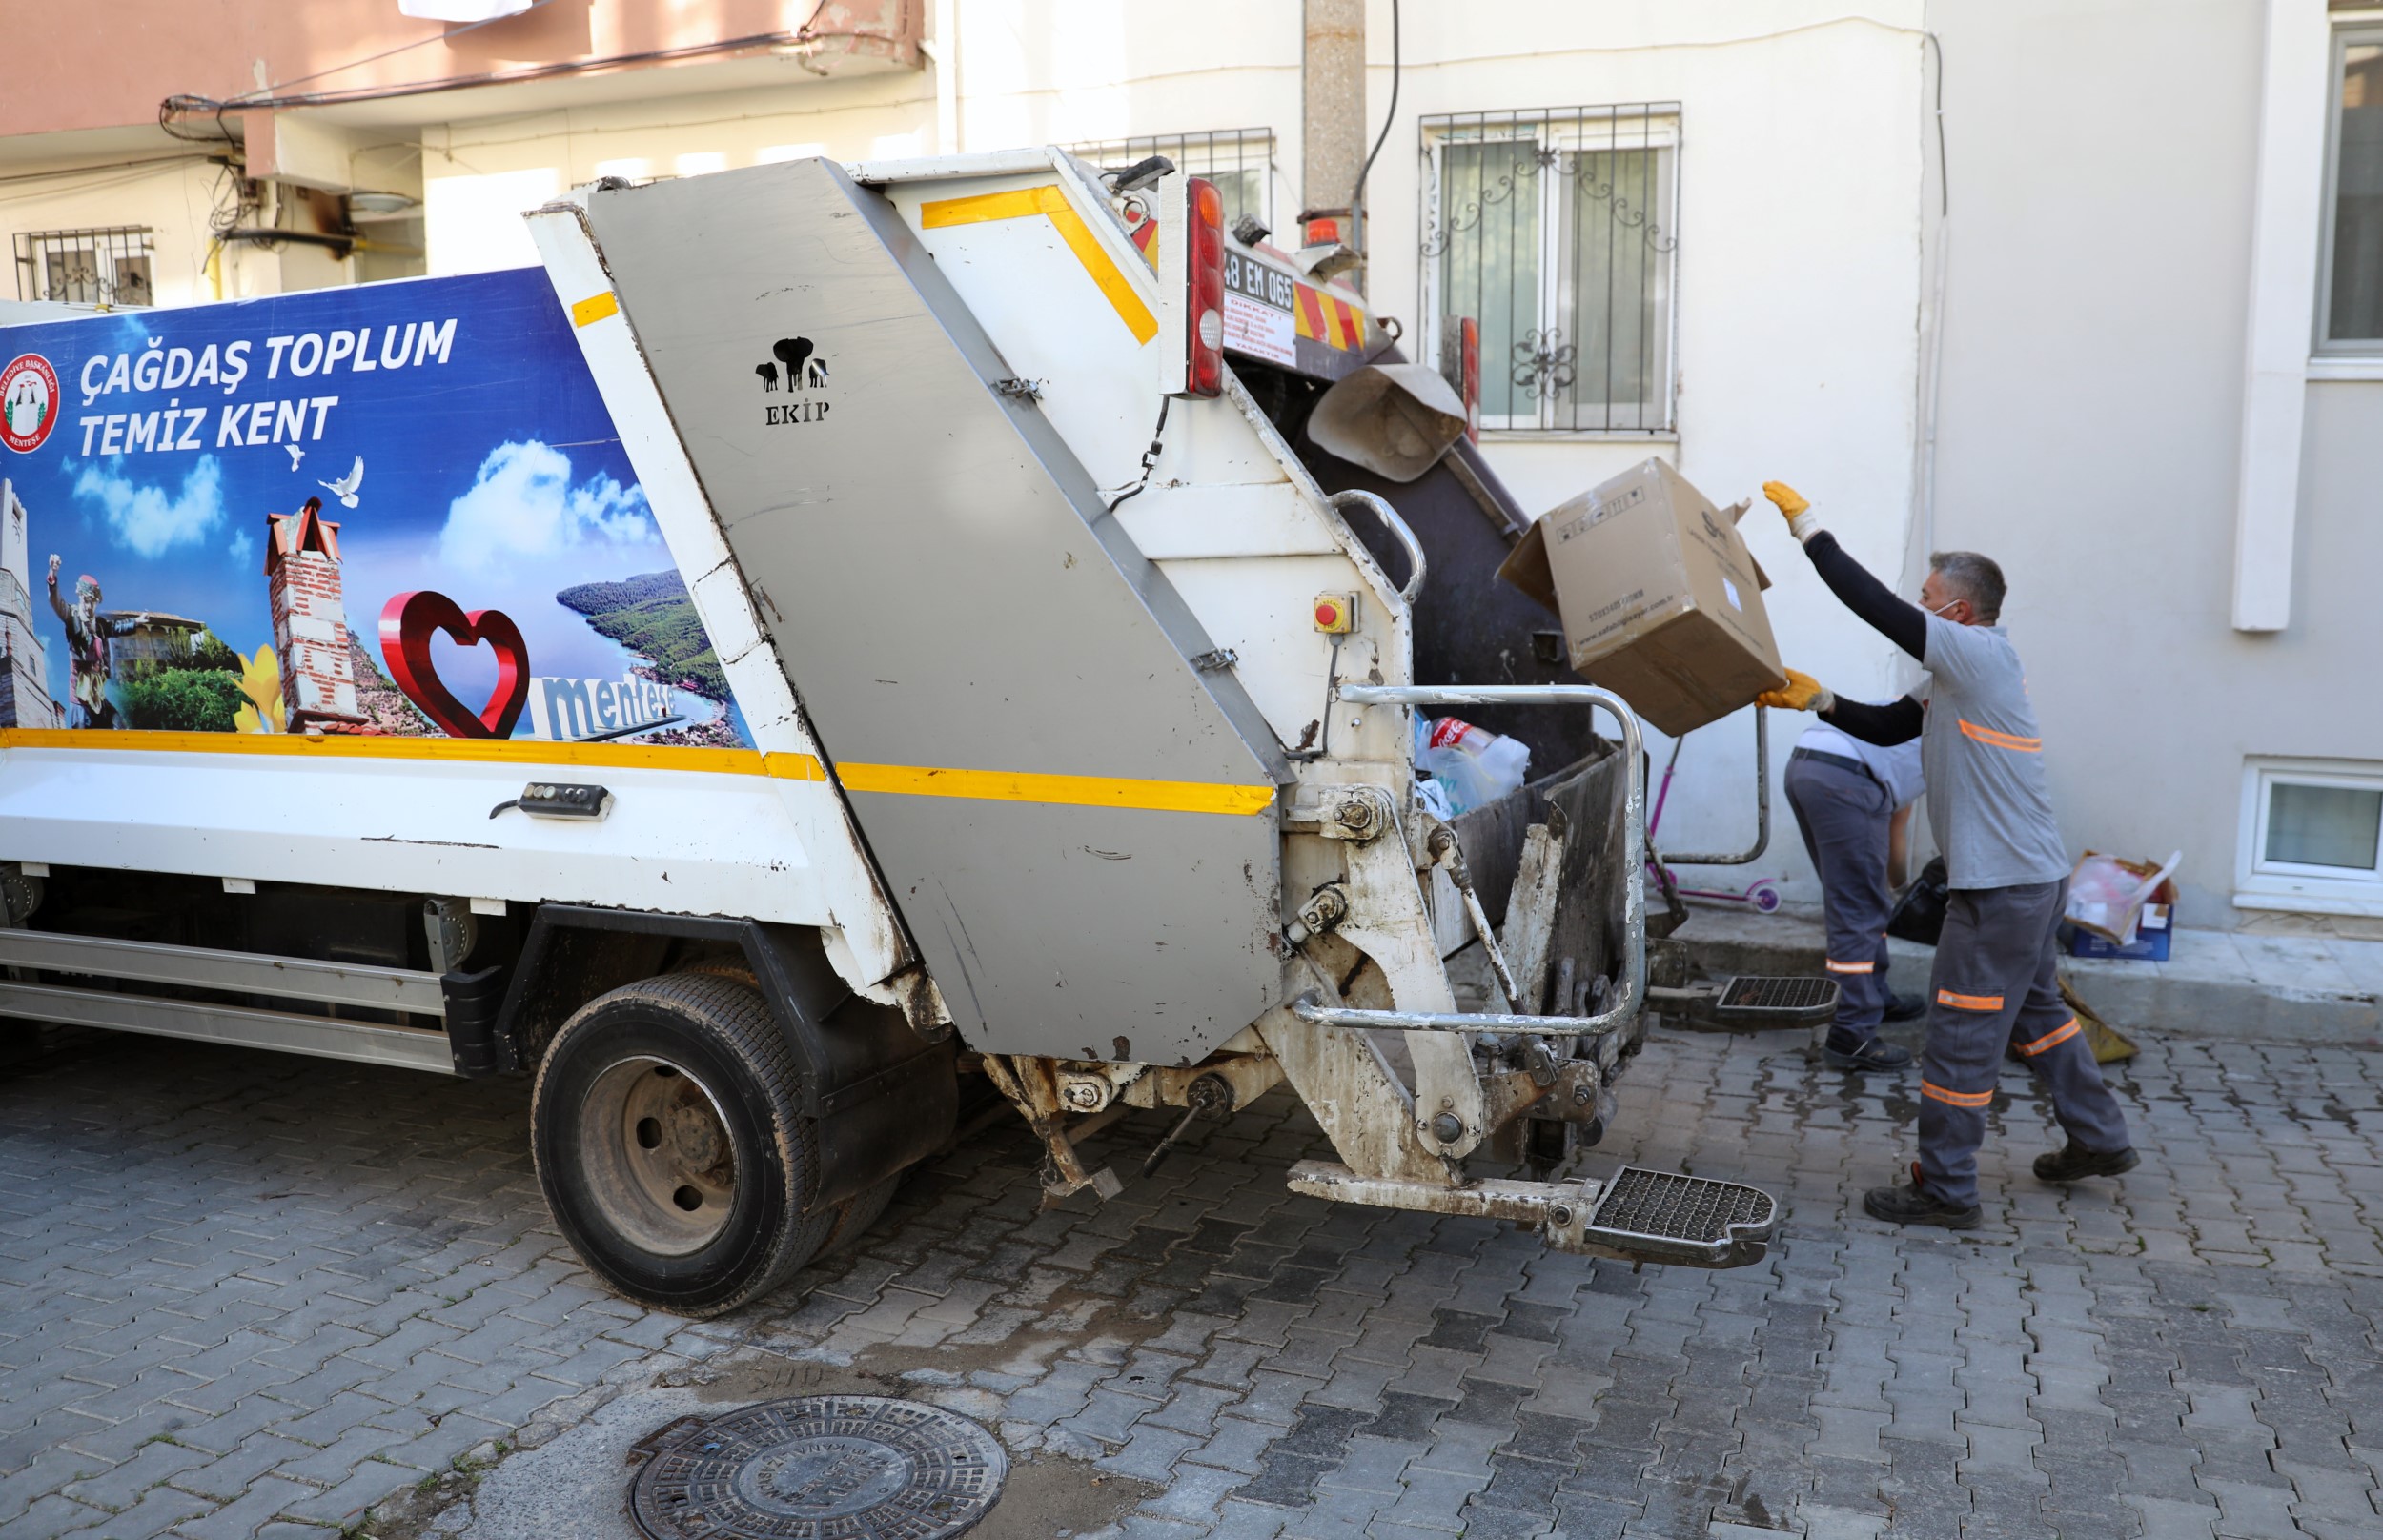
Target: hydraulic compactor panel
x: 1078, y: 825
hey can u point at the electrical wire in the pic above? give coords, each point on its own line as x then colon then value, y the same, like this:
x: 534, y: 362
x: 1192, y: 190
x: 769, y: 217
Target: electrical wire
x: 173, y: 109
x: 1149, y: 456
x: 263, y: 91
x: 1356, y: 197
x: 105, y: 166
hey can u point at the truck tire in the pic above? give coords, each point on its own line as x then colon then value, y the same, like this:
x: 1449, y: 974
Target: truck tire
x: 668, y: 1141
x: 856, y: 1214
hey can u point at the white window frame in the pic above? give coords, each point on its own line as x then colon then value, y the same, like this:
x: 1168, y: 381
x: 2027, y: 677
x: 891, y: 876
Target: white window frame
x: 105, y: 245
x: 2263, y: 883
x: 2363, y: 356
x: 1567, y: 130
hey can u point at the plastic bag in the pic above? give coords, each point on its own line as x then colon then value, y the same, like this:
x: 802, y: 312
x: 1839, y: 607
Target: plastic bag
x: 2107, y: 895
x: 1920, y: 913
x: 1473, y: 767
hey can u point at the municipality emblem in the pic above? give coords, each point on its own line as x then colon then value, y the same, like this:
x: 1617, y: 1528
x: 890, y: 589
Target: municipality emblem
x: 29, y: 402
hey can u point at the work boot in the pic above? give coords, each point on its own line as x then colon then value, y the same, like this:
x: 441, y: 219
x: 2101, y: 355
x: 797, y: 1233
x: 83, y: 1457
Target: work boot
x: 1916, y: 1204
x: 1905, y: 1007
x: 2074, y: 1164
x: 1844, y: 1050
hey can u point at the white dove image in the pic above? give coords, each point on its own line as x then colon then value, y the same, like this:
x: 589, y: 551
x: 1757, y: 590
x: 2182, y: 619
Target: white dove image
x: 296, y: 454
x: 344, y: 489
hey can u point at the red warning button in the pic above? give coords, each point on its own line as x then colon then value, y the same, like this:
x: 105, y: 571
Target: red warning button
x: 1334, y: 612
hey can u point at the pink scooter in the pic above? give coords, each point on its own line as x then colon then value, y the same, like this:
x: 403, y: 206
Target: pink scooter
x: 1762, y: 893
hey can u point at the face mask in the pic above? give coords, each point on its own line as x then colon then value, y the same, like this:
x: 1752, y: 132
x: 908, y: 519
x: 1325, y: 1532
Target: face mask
x: 1939, y: 611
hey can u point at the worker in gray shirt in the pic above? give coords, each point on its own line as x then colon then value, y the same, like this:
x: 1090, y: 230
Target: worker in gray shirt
x: 1996, y: 983
x: 1850, y: 799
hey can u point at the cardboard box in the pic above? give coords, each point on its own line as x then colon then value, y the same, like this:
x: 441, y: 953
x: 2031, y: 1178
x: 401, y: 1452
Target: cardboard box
x: 2140, y: 931
x: 2152, y: 935
x: 1661, y: 602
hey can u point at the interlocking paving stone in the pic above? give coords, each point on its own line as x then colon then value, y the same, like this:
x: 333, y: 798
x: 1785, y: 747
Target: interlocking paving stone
x: 241, y: 1292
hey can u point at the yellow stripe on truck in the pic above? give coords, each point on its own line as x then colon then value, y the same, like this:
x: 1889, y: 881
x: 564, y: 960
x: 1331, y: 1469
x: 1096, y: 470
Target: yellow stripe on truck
x: 899, y: 779
x: 375, y: 746
x: 1070, y: 790
x: 1025, y: 202
x: 595, y: 307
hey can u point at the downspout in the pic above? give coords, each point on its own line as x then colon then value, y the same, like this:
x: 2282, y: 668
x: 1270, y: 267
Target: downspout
x: 1931, y: 328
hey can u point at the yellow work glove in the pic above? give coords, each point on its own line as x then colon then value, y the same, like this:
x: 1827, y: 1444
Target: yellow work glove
x: 1802, y: 692
x: 1801, y: 522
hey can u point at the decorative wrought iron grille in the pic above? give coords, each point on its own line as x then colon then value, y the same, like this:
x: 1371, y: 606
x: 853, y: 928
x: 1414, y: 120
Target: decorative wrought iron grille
x: 88, y: 267
x: 1553, y: 231
x: 1239, y: 161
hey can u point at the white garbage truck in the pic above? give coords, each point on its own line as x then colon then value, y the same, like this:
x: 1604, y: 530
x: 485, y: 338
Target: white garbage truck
x: 836, y: 650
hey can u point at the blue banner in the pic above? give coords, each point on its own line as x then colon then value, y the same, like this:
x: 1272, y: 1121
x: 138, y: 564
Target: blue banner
x: 397, y: 508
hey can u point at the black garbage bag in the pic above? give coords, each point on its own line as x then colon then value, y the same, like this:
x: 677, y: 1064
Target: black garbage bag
x: 1920, y: 913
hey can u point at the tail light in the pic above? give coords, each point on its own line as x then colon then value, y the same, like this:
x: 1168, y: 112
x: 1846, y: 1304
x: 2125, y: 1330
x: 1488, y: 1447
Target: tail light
x: 1204, y: 335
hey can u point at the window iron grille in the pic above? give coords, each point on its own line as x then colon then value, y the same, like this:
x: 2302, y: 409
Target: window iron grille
x: 1239, y: 161
x: 1553, y: 231
x: 86, y: 267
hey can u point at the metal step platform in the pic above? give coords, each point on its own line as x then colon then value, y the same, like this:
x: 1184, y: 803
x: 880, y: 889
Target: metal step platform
x: 1638, y: 1215
x: 1694, y: 1221
x: 1750, y: 1000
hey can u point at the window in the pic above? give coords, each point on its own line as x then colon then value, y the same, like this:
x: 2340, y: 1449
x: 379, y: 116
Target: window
x: 86, y: 267
x: 1553, y: 231
x: 2349, y: 299
x: 2313, y: 837
x: 1239, y: 161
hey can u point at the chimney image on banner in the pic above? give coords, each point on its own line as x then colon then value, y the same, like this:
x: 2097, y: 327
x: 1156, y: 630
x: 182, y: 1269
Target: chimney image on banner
x: 310, y: 618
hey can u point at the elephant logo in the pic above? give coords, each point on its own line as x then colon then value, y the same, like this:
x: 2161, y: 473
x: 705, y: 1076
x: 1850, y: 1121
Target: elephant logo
x: 803, y: 368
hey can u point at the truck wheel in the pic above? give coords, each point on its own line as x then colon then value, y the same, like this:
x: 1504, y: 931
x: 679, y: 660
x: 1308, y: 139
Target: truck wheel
x: 668, y: 1143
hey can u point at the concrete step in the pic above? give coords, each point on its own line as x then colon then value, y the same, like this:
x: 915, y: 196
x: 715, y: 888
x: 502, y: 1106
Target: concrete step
x: 2216, y: 984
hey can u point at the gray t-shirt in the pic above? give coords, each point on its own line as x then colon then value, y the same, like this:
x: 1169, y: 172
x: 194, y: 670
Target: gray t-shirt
x: 1984, y: 758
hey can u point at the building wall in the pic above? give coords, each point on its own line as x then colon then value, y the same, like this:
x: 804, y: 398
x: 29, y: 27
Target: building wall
x: 2086, y: 367
x: 2103, y: 168
x: 1799, y: 223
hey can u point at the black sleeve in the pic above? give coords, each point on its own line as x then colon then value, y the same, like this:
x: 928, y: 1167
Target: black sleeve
x: 1883, y: 725
x: 1901, y: 623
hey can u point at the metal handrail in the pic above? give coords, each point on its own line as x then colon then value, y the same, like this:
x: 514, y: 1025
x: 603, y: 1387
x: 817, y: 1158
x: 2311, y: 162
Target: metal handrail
x: 1633, y: 859
x: 1762, y: 807
x: 1398, y: 531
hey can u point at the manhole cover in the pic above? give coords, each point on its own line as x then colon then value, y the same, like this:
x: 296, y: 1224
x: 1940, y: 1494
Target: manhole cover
x: 822, y: 1467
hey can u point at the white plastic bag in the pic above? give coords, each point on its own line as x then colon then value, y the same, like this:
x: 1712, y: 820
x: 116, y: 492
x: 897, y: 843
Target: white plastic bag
x: 2107, y: 895
x: 1473, y: 767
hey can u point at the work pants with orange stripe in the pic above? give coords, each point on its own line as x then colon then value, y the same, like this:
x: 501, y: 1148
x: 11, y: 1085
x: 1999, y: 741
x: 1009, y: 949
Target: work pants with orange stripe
x: 1844, y: 815
x: 1997, y: 986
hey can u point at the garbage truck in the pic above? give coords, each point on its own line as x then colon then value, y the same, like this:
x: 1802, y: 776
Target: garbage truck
x: 834, y: 653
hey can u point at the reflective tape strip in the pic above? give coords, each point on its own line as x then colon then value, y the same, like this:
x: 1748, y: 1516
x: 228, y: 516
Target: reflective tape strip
x: 2001, y: 741
x: 1308, y: 314
x: 1835, y: 966
x: 1048, y: 200
x: 1975, y: 1002
x: 530, y: 751
x: 2052, y: 1039
x: 793, y: 767
x: 1959, y: 1099
x: 918, y: 780
x: 1073, y: 791
x: 595, y: 307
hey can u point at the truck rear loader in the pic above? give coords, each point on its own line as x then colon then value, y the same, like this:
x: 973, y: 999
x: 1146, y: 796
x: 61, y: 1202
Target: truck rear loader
x: 1021, y: 713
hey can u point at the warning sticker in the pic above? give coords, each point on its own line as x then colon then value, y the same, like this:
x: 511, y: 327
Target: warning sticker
x: 1259, y: 330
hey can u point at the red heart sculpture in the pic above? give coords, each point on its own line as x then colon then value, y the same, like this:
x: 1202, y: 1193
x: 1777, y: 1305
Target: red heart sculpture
x: 406, y: 624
